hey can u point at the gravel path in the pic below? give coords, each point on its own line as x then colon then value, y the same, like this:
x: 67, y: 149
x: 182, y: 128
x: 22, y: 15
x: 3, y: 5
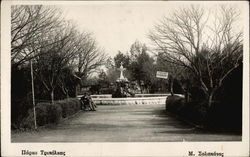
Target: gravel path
x: 125, y: 123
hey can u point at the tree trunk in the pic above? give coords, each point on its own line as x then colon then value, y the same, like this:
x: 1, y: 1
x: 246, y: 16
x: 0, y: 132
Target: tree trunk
x: 171, y: 86
x: 210, y: 99
x: 66, y: 93
x: 52, y: 96
x: 187, y: 94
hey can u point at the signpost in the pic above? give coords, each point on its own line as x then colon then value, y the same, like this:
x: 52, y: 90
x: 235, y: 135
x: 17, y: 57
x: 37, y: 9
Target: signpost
x: 162, y: 74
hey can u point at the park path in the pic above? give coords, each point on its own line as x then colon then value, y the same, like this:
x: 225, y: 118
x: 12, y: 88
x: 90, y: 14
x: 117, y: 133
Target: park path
x: 125, y: 123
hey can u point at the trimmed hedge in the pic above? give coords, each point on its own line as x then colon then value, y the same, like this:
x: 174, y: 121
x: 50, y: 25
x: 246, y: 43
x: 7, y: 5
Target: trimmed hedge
x: 69, y: 106
x: 47, y: 113
x: 219, y: 116
x: 192, y: 111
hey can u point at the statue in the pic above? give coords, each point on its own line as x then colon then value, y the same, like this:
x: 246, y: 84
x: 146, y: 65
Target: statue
x: 122, y: 78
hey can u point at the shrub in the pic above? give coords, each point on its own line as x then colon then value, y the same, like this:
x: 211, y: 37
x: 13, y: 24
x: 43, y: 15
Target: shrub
x: 174, y: 103
x: 54, y: 113
x: 192, y: 111
x: 27, y: 122
x: 65, y: 108
x: 69, y: 106
x: 46, y: 113
x: 218, y: 117
x: 41, y: 113
x: 118, y: 94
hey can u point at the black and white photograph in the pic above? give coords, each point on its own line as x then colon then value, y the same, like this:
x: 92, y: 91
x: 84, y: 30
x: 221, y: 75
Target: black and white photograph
x: 120, y: 78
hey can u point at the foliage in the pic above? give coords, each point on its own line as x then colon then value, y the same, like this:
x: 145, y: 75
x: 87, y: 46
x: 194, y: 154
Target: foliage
x: 103, y: 80
x: 120, y: 57
x: 225, y: 114
x: 20, y: 95
x: 69, y: 106
x: 47, y: 113
x: 139, y: 66
x: 142, y: 66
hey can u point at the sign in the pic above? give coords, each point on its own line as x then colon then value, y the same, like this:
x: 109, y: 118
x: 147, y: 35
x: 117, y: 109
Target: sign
x: 162, y: 74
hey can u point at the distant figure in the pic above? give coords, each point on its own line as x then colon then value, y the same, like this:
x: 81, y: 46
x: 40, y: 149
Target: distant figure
x: 87, y: 102
x: 84, y: 101
x: 92, y: 105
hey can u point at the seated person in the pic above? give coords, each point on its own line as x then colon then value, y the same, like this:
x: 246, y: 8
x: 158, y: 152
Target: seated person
x: 91, y: 103
x: 87, y: 102
x: 84, y: 101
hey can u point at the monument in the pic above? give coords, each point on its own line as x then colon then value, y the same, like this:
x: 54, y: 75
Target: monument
x: 122, y: 85
x: 122, y: 78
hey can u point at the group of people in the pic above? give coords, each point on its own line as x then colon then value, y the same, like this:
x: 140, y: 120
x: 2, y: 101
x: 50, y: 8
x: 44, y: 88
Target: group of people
x: 87, y: 103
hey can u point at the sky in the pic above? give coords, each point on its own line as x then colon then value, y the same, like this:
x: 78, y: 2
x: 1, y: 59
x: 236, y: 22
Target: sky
x: 117, y: 25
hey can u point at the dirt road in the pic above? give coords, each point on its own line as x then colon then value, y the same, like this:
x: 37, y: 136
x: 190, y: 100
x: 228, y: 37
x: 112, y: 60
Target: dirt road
x: 126, y: 123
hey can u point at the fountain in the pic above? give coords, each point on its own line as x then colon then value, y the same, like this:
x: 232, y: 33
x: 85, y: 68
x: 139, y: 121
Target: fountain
x: 122, y: 86
x: 123, y: 96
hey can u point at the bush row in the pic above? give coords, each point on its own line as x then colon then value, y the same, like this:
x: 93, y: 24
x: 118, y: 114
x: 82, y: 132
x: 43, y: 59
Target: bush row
x: 220, y: 116
x: 47, y: 113
x: 192, y: 111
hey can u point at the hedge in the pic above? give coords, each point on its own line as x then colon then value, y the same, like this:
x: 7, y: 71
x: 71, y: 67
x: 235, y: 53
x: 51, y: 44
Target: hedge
x: 69, y: 106
x: 47, y: 113
x: 218, y: 117
x: 192, y: 111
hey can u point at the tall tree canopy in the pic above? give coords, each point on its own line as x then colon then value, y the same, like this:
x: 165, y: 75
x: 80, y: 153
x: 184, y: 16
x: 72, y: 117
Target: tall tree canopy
x: 55, y: 46
x: 205, y: 43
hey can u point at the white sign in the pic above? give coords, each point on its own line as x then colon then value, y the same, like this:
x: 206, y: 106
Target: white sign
x: 162, y: 74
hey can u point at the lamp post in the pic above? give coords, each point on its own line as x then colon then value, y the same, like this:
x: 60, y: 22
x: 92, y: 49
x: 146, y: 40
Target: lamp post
x: 33, y: 93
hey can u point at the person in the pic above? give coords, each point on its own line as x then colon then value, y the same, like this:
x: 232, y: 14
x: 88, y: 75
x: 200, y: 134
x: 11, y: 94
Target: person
x: 84, y: 101
x: 91, y: 103
x: 87, y: 102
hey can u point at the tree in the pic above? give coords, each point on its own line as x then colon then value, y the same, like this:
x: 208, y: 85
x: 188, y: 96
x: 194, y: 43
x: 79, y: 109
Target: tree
x: 137, y: 49
x: 67, y: 81
x: 103, y: 79
x: 188, y: 40
x: 120, y: 57
x: 55, y: 58
x: 142, y: 66
x: 175, y: 72
x: 112, y: 72
x: 57, y: 51
x: 30, y: 24
x: 89, y: 56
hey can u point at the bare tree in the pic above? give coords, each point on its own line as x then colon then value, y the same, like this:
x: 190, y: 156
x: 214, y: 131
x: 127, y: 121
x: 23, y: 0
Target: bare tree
x: 174, y: 70
x: 187, y: 39
x: 28, y: 24
x: 55, y: 58
x: 89, y: 56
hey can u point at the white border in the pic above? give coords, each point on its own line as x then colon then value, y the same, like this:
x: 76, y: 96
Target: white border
x: 112, y: 148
